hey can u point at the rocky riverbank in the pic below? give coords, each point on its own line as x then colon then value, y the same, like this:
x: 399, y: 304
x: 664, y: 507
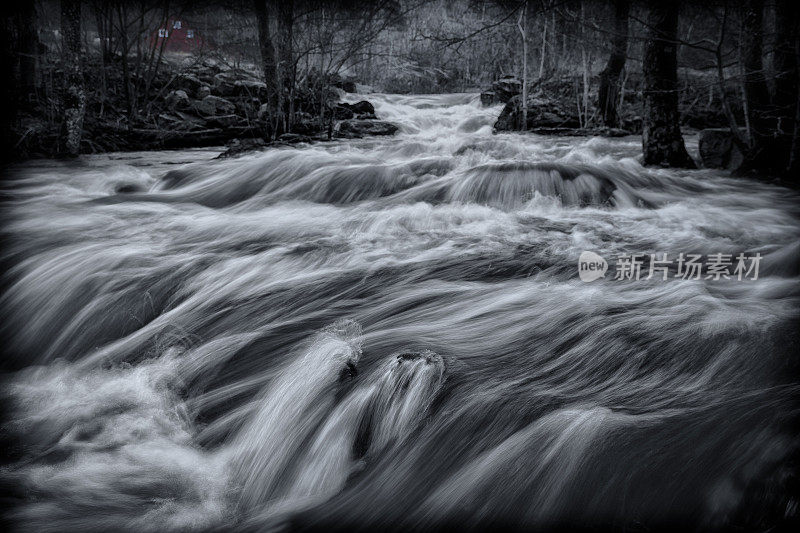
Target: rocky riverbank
x: 555, y: 107
x: 206, y: 103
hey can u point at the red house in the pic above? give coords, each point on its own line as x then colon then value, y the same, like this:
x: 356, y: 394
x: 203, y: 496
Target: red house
x: 178, y: 35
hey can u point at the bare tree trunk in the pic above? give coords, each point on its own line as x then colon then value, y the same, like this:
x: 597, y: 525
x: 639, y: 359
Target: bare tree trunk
x: 73, y: 99
x: 122, y: 16
x: 786, y: 67
x: 522, y: 24
x: 285, y: 15
x: 662, y: 142
x: 28, y: 49
x: 610, y: 77
x: 757, y: 100
x: 584, y: 63
x: 268, y: 64
x: 544, y: 45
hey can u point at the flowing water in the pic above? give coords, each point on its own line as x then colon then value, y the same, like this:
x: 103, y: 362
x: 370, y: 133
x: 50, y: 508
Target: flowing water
x: 392, y: 332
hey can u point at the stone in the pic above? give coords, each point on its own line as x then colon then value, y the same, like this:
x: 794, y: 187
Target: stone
x: 541, y: 113
x: 214, y: 105
x: 254, y: 88
x: 177, y: 100
x: 506, y: 88
x: 363, y: 107
x: 188, y: 83
x: 367, y: 127
x: 202, y: 92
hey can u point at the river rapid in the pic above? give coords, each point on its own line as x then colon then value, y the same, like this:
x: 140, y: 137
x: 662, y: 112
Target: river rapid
x: 391, y: 332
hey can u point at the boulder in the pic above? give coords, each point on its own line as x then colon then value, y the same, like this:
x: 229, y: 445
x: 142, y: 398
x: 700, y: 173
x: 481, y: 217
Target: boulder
x: 542, y: 113
x: 177, y: 100
x: 248, y: 87
x: 349, y: 86
x: 214, y: 105
x: 202, y: 92
x: 488, y: 98
x: 506, y: 88
x: 718, y: 149
x: 363, y: 108
x: 188, y: 83
x: 224, y: 84
x: 242, y: 146
x: 367, y: 127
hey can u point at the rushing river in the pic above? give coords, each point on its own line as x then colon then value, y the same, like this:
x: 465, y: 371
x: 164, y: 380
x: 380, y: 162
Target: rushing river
x: 392, y: 332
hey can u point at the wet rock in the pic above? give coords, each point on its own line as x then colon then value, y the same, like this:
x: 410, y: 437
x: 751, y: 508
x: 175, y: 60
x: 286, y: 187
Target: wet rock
x: 363, y: 107
x: 506, y: 88
x: 542, y: 113
x: 127, y: 188
x: 367, y: 127
x: 488, y: 98
x: 214, y: 105
x: 242, y: 146
x: 361, y: 110
x: 718, y: 149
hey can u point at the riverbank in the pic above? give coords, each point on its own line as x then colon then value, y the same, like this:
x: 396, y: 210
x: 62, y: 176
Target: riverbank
x: 192, y: 103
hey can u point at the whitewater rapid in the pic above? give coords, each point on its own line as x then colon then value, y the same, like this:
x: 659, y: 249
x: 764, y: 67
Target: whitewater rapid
x: 391, y: 332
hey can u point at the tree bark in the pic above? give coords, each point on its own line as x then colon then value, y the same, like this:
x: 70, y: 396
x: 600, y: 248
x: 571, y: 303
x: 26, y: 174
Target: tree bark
x: 522, y: 25
x: 268, y: 64
x: 773, y: 144
x: 757, y: 100
x: 785, y: 66
x: 610, y: 77
x: 662, y: 142
x: 285, y: 15
x: 73, y: 98
x: 28, y: 50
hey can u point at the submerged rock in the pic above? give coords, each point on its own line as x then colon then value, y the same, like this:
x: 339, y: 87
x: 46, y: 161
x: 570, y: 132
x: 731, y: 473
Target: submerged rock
x: 367, y: 127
